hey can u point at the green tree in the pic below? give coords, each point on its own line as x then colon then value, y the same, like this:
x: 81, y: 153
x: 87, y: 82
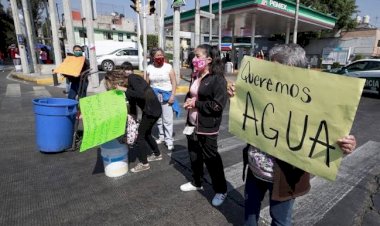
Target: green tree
x: 7, y: 34
x: 152, y: 41
x: 341, y: 9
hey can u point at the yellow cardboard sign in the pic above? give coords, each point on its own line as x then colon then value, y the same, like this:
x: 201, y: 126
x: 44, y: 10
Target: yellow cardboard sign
x: 294, y: 114
x: 104, y: 118
x: 72, y: 66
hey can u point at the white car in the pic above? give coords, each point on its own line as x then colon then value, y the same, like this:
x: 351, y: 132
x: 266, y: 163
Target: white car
x: 115, y: 59
x: 368, y: 69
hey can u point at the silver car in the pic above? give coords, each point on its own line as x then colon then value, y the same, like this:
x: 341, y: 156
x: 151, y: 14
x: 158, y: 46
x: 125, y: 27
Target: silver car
x: 108, y: 62
x: 368, y: 69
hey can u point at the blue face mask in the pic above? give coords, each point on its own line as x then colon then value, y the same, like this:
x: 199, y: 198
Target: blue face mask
x: 78, y: 53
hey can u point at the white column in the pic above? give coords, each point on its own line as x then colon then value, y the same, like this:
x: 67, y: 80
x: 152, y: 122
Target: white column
x: 197, y: 24
x: 296, y: 22
x: 22, y: 50
x: 30, y: 33
x: 287, y: 33
x: 69, y: 24
x: 176, y: 43
x: 54, y: 30
x: 94, y: 81
x: 140, y: 49
x: 253, y: 33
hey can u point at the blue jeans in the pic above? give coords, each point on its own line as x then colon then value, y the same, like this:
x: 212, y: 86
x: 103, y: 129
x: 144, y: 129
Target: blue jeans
x: 255, y: 189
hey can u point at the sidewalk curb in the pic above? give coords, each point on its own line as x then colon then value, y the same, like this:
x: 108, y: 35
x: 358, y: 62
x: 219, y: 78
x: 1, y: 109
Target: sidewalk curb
x: 45, y: 80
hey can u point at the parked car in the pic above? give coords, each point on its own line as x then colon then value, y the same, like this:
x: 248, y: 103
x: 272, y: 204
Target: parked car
x: 368, y: 69
x: 108, y: 62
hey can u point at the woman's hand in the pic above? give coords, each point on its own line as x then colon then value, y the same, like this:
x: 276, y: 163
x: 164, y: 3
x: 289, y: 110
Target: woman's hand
x: 121, y: 88
x: 190, y: 103
x: 231, y: 89
x: 347, y: 144
x: 171, y: 100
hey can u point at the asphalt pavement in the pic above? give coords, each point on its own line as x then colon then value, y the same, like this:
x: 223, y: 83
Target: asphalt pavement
x: 70, y: 188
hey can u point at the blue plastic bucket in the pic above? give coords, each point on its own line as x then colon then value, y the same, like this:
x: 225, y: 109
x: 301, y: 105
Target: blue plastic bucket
x: 54, y: 123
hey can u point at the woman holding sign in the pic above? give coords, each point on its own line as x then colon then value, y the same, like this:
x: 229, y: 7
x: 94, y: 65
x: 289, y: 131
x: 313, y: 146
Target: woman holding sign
x: 205, y: 102
x: 139, y: 93
x: 284, y: 182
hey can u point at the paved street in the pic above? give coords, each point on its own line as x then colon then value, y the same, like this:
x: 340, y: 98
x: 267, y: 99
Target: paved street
x: 70, y: 188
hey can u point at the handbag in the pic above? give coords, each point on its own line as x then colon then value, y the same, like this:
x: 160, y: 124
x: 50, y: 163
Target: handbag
x: 132, y: 130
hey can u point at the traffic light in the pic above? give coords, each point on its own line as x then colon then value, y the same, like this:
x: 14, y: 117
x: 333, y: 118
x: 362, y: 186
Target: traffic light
x: 136, y: 5
x: 152, y: 8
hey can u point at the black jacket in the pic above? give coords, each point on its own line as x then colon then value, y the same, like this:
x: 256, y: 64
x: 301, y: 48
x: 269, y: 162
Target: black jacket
x: 139, y: 93
x: 212, y: 98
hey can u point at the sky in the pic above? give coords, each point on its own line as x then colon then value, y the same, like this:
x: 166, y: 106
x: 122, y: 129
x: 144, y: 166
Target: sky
x: 366, y: 7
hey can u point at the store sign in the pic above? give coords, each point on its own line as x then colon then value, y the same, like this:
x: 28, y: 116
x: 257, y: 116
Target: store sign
x: 275, y: 4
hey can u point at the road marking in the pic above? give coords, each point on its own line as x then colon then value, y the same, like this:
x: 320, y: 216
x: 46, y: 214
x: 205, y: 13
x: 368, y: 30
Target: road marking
x: 232, y: 173
x: 13, y: 90
x: 324, y: 195
x: 40, y: 91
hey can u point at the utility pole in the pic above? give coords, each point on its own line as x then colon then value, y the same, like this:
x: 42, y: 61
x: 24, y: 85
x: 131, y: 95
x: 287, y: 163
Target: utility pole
x: 140, y: 49
x: 21, y: 44
x: 197, y: 23
x: 30, y: 33
x: 68, y: 24
x: 161, y: 37
x: 210, y: 21
x: 91, y: 43
x: 220, y: 26
x: 54, y: 30
x: 296, y: 22
x: 176, y: 42
x: 145, y: 39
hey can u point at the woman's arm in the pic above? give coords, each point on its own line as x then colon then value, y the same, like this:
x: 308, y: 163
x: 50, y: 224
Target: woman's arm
x: 173, y: 81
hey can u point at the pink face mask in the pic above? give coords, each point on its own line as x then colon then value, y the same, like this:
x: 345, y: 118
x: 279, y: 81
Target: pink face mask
x: 199, y: 64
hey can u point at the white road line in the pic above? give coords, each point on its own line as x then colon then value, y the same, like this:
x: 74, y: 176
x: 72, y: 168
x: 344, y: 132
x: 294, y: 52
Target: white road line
x: 232, y: 173
x: 13, y: 90
x: 324, y: 195
x: 40, y: 91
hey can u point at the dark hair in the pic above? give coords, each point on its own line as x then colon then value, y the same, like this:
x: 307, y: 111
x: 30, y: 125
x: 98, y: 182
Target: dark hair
x: 154, y: 50
x: 217, y: 66
x: 77, y: 46
x: 126, y: 66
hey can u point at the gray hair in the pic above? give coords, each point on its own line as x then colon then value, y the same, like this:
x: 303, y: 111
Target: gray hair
x: 288, y: 54
x: 154, y: 50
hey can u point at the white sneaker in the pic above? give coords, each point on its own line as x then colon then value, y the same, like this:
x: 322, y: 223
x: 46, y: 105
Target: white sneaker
x: 159, y: 141
x: 189, y: 187
x: 219, y: 199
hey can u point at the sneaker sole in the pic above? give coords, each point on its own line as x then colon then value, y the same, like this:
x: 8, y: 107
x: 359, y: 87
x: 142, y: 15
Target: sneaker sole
x: 152, y: 160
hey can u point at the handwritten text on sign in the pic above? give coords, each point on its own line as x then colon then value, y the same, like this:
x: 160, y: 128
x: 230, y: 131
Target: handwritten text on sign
x: 104, y: 118
x: 294, y: 114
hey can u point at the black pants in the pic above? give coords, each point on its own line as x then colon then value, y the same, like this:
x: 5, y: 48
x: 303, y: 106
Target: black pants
x: 204, y: 148
x: 74, y: 88
x: 145, y: 142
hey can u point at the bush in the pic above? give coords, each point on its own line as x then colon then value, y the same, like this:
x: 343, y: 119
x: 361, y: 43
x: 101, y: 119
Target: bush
x: 358, y: 57
x: 335, y: 65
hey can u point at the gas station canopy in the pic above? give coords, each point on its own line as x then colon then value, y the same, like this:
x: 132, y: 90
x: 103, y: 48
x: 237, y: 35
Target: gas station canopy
x: 257, y: 17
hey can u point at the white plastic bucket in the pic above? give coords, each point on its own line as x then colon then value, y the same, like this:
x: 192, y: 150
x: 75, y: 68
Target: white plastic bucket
x: 115, y: 158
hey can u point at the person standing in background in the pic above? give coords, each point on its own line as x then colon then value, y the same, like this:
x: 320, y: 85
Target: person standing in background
x: 162, y: 79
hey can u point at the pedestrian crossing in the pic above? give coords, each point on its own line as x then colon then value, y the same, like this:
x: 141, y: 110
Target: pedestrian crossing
x: 308, y: 209
x: 14, y: 90
x: 12, y: 99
